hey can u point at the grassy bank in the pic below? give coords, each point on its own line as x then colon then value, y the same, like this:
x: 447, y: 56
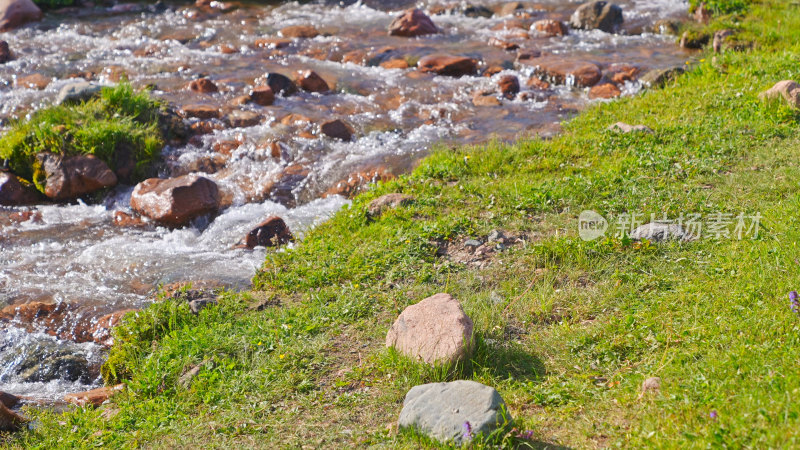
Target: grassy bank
x: 117, y: 125
x: 567, y: 330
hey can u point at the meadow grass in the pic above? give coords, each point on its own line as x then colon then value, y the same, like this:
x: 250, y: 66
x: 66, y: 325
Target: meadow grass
x: 566, y: 330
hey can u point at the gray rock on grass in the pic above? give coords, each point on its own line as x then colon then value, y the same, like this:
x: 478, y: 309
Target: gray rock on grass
x: 453, y: 412
x: 660, y: 232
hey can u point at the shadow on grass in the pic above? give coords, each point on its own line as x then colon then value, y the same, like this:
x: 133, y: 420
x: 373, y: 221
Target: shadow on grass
x: 506, y: 360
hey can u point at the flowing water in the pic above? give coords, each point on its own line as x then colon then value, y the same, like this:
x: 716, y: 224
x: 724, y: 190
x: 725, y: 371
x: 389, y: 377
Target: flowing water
x: 74, y: 254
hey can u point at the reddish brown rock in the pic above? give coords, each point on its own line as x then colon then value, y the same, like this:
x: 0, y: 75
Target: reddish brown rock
x: 175, y: 201
x: 453, y: 66
x: 337, y: 129
x: 9, y: 420
x: 435, y: 331
x: 505, y: 45
x: 200, y: 111
x: 14, y: 192
x: 485, y: 98
x: 15, y: 13
x: 262, y: 95
x: 70, y: 177
x: 550, y: 27
x: 528, y: 56
x: 538, y: 84
x: 310, y: 81
x: 243, y: 119
x: 203, y: 86
x: 300, y: 31
x: 272, y: 232
x: 509, y: 86
x: 205, y: 127
x: 566, y: 71
x: 295, y: 120
x: 5, y: 52
x: 94, y: 397
x: 620, y: 73
x: 605, y: 90
x: 123, y: 219
x: 33, y: 81
x: 225, y: 147
x: 387, y: 201
x: 492, y: 71
x: 9, y: 400
x: 398, y: 63
x: 413, y: 22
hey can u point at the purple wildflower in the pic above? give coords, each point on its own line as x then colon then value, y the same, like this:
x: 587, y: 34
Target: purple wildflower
x: 713, y: 414
x: 795, y: 299
x: 467, y: 430
x: 527, y: 435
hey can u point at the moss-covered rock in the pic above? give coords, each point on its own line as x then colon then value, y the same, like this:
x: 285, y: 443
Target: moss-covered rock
x: 123, y: 128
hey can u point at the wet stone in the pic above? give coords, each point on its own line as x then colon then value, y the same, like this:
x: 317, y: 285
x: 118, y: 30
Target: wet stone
x: 77, y: 92
x: 337, y: 129
x: 597, y: 15
x: 605, y: 90
x: 5, y: 52
x: 203, y: 86
x: 310, y: 81
x: 448, y: 65
x: 411, y: 23
x: 280, y: 84
x: 14, y: 193
x: 300, y: 31
x: 200, y: 111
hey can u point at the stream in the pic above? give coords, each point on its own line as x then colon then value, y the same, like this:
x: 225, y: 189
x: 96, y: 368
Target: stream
x: 75, y: 254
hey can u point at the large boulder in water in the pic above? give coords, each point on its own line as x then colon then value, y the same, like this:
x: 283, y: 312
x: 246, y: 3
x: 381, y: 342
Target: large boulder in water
x: 14, y: 193
x: 175, y: 201
x: 69, y: 177
x: 597, y: 15
x: 15, y: 13
x: 448, y: 65
x: 412, y: 22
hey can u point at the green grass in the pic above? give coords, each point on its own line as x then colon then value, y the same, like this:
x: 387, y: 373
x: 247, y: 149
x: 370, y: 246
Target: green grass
x: 566, y: 330
x: 120, y: 118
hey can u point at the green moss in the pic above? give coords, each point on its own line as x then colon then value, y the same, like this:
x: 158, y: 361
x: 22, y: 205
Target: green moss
x: 722, y: 7
x: 120, y: 118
